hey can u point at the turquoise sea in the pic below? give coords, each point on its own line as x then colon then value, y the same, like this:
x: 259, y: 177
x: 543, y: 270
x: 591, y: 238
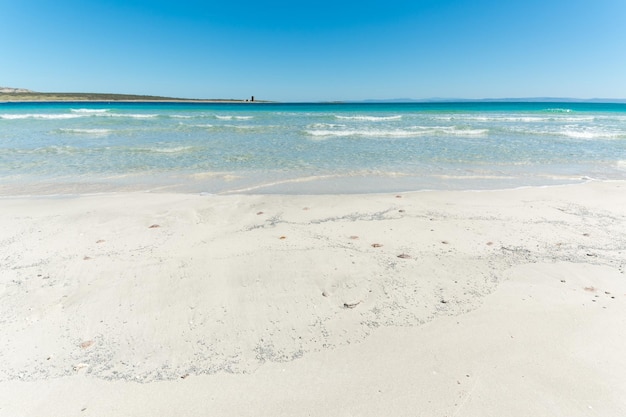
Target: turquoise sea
x: 61, y: 148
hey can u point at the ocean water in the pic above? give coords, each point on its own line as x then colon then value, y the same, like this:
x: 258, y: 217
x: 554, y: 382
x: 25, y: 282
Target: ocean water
x: 58, y: 148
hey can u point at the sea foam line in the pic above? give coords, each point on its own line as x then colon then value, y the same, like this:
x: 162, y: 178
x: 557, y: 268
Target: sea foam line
x: 45, y: 116
x: 130, y: 116
x: 324, y: 125
x: 558, y: 110
x: 88, y: 111
x: 42, y: 116
x: 517, y: 119
x: 590, y: 134
x: 87, y: 131
x: 416, y: 132
x: 176, y: 149
x: 233, y: 117
x: 369, y: 118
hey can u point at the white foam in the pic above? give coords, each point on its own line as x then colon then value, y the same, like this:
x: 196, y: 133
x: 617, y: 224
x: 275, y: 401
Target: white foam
x: 523, y: 119
x: 464, y: 132
x: 233, y: 117
x: 589, y: 134
x: 369, y: 118
x: 241, y: 127
x: 559, y: 110
x: 575, y: 119
x: 74, y: 115
x: 617, y: 118
x: 42, y: 116
x: 324, y: 125
x: 89, y: 111
x: 518, y: 119
x: 416, y: 131
x: 176, y: 149
x: 130, y: 116
x: 87, y: 131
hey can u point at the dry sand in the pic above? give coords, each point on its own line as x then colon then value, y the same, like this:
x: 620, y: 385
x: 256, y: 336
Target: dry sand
x: 499, y: 303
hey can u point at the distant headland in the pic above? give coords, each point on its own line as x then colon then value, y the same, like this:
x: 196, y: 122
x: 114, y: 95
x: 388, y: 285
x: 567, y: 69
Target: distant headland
x: 9, y: 94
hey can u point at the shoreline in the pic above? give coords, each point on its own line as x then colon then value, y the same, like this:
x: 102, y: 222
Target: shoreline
x: 442, y: 301
x: 222, y: 184
x: 246, y: 192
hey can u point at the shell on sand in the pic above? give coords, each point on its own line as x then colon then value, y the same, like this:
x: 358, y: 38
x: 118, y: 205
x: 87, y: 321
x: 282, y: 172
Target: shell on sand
x: 86, y: 344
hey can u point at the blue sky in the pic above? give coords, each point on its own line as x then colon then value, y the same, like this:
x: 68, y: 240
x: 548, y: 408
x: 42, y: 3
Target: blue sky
x: 317, y: 50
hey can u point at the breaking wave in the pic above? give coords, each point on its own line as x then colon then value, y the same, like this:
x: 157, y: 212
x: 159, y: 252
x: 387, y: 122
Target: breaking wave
x: 369, y: 118
x: 399, y: 133
x: 130, y: 116
x: 233, y: 117
x: 42, y: 116
x: 516, y: 119
x: 590, y: 134
x: 558, y: 110
x: 74, y: 115
x: 155, y: 149
x: 87, y: 131
x: 89, y: 111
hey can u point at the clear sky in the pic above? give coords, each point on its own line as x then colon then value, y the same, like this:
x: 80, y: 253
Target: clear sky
x: 305, y: 50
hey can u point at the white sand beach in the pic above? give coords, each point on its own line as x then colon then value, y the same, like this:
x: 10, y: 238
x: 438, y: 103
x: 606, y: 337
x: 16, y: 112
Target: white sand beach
x: 494, y: 303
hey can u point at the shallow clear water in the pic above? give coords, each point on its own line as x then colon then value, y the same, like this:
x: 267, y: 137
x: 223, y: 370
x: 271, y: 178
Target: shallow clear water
x: 306, y: 148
